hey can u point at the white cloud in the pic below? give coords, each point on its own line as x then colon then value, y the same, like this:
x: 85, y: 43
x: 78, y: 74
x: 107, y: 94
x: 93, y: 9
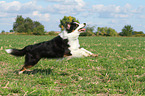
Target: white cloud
x: 109, y: 8
x: 81, y: 3
x: 9, y: 7
x: 141, y: 16
x: 78, y: 2
x: 41, y: 17
x: 139, y: 10
x: 17, y: 7
x: 3, y: 14
x: 121, y: 15
x: 113, y: 21
x: 112, y: 11
x: 13, y: 6
x: 65, y: 6
x: 9, y: 11
x: 54, y: 0
x: 128, y: 6
x: 36, y: 13
x: 112, y: 8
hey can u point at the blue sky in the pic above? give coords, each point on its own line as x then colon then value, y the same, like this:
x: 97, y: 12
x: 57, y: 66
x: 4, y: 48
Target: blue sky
x: 99, y: 13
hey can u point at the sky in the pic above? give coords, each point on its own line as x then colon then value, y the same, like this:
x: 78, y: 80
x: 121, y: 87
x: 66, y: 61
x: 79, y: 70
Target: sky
x: 100, y: 13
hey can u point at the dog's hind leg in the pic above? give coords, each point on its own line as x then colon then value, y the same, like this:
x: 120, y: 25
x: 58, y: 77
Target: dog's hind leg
x: 30, y: 61
x: 24, y: 68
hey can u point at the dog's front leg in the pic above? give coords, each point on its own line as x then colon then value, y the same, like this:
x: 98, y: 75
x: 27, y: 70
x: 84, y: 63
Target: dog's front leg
x: 87, y: 53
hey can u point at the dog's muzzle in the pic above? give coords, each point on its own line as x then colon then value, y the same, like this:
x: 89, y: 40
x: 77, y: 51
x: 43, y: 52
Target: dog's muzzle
x: 82, y: 29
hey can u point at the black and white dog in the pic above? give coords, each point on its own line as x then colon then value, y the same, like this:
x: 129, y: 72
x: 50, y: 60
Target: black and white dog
x: 66, y: 44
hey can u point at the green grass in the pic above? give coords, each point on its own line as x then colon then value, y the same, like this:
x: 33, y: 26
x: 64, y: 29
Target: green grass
x: 119, y: 69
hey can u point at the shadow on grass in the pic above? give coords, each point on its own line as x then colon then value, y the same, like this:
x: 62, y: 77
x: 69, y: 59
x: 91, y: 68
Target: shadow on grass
x: 40, y: 71
x: 64, y: 74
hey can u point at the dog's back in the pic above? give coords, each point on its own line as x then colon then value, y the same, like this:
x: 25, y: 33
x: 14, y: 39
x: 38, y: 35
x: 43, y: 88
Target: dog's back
x: 55, y: 48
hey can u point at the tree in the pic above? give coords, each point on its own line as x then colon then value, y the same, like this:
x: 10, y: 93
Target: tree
x: 39, y: 30
x: 28, y: 26
x: 98, y: 31
x: 104, y: 31
x: 101, y: 31
x: 3, y: 32
x: 65, y: 20
x: 36, y: 24
x: 111, y: 32
x: 11, y: 30
x: 127, y: 30
x: 137, y: 32
x: 52, y: 33
x: 19, y: 24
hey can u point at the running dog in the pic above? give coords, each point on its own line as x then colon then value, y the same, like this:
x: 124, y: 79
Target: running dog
x: 66, y: 44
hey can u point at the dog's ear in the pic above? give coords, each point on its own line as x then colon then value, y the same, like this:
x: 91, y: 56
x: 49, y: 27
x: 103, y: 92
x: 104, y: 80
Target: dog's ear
x: 73, y: 20
x: 68, y: 25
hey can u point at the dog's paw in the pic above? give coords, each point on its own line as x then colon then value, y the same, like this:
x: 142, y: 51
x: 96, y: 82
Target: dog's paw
x: 20, y: 72
x: 94, y: 55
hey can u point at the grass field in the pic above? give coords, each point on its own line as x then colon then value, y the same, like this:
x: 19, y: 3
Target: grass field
x: 119, y: 69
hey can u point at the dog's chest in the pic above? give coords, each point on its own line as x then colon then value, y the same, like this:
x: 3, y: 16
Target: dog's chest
x: 74, y: 44
x: 73, y: 41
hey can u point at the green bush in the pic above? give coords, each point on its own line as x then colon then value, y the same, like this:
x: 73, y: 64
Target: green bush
x: 52, y: 33
x: 139, y: 35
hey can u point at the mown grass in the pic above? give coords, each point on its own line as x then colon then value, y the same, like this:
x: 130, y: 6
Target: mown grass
x: 119, y: 69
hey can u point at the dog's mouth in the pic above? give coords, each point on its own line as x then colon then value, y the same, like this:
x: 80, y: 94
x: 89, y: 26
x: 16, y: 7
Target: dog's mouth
x: 82, y: 30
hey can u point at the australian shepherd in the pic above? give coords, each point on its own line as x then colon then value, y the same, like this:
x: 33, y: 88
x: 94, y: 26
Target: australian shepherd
x: 66, y: 44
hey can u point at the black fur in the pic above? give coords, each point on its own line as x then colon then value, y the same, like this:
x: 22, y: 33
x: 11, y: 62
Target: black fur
x: 73, y: 25
x: 55, y: 48
x: 18, y: 52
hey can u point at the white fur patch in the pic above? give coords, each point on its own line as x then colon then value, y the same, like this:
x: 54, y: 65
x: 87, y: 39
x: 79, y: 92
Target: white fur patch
x: 9, y: 50
x: 81, y: 53
x: 73, y: 41
x: 20, y: 72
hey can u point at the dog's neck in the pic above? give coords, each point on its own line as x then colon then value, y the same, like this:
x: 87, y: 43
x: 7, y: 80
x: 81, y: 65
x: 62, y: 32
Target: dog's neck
x: 63, y: 34
x: 73, y: 35
x: 72, y: 39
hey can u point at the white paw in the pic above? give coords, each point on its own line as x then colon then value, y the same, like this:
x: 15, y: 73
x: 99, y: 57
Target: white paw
x: 20, y: 72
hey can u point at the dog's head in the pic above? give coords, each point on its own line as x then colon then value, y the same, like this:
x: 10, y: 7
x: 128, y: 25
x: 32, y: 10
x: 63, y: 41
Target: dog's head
x: 74, y: 26
x: 72, y: 30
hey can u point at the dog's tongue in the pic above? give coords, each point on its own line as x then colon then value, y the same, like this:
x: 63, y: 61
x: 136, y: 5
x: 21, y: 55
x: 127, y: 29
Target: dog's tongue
x: 82, y: 30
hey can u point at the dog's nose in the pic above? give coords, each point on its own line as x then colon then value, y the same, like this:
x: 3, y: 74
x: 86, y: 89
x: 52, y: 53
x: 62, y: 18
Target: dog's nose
x: 85, y: 24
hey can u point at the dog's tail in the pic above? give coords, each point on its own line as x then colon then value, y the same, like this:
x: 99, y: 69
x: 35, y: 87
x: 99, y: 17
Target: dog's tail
x: 16, y: 52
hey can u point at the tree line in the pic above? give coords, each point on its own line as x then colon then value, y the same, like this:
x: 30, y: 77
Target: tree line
x: 127, y: 30
x: 28, y: 26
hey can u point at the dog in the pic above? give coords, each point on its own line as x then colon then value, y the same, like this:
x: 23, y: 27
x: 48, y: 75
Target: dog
x: 66, y: 44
